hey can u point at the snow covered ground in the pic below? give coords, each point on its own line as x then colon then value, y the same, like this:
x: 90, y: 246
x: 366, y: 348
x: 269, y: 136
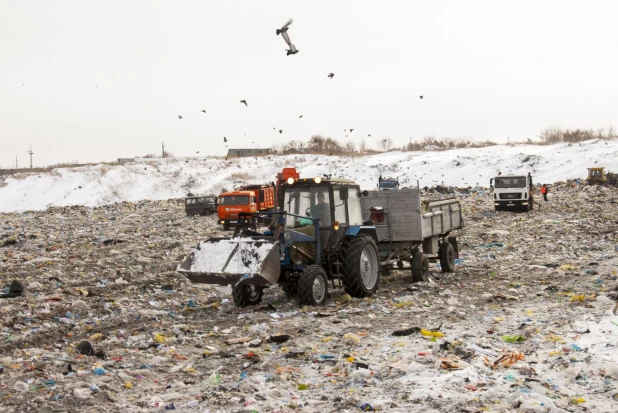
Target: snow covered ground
x: 173, y: 178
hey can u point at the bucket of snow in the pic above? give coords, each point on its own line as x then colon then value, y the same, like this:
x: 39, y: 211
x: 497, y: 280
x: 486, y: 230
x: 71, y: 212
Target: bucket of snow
x: 254, y: 260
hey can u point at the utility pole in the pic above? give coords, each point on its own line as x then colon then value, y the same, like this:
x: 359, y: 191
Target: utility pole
x: 16, y: 167
x: 162, y: 150
x: 30, y: 153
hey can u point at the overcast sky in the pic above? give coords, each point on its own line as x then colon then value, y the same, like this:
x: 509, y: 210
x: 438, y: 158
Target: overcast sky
x: 97, y: 80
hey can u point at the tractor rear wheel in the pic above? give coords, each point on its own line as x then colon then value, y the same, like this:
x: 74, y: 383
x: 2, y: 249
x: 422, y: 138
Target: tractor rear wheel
x: 313, y: 286
x: 361, y: 264
x: 447, y: 257
x: 246, y: 294
x: 226, y: 226
x: 420, y: 267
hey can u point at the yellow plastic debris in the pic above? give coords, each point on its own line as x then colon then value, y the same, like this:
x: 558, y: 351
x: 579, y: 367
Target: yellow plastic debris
x: 344, y: 299
x: 428, y: 333
x: 575, y: 297
x: 351, y: 339
x: 159, y: 338
x: 327, y: 339
x: 350, y: 359
x: 577, y: 401
x: 128, y: 385
x: 96, y: 336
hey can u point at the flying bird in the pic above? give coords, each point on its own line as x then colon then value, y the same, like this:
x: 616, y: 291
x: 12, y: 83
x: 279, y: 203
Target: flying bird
x: 284, y: 33
x: 351, y: 130
x: 224, y: 139
x: 300, y: 116
x: 179, y: 117
x: 197, y: 152
x: 331, y: 75
x: 245, y: 102
x: 203, y: 111
x: 421, y: 96
x: 280, y: 131
x: 369, y: 135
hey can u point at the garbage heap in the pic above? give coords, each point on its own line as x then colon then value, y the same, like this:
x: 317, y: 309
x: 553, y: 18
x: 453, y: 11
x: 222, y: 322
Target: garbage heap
x: 94, y: 316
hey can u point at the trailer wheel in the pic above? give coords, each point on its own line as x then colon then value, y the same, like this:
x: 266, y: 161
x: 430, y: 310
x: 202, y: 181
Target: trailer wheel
x: 361, y: 265
x: 420, y: 267
x: 313, y: 286
x: 447, y: 257
x: 246, y: 294
x: 226, y: 226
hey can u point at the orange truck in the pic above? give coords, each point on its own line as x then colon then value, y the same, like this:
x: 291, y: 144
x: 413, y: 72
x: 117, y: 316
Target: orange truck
x: 247, y: 198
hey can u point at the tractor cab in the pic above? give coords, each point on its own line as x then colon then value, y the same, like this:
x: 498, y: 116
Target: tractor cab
x: 596, y: 175
x: 334, y: 202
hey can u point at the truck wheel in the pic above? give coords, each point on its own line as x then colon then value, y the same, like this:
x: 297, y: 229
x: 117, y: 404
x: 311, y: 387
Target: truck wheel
x: 420, y: 267
x: 447, y: 257
x: 455, y: 244
x: 361, y: 265
x: 313, y: 286
x: 246, y: 294
x: 226, y: 226
x: 290, y: 289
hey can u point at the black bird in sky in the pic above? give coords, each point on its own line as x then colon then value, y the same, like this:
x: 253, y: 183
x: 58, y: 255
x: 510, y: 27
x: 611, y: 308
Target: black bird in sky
x: 203, y: 111
x: 351, y: 130
x: 284, y: 33
x: 331, y: 75
x: 245, y: 102
x: 197, y: 152
x: 421, y: 96
x: 280, y: 131
x: 224, y: 139
x: 179, y: 117
x: 300, y: 116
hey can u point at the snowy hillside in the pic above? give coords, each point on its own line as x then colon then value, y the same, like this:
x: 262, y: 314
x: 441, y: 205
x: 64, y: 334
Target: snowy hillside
x: 173, y: 178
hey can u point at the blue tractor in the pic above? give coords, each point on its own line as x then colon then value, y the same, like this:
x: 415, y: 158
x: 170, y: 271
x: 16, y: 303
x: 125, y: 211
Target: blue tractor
x: 316, y: 238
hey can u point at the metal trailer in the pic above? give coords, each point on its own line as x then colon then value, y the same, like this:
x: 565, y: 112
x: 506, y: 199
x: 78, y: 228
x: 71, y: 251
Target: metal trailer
x: 410, y: 228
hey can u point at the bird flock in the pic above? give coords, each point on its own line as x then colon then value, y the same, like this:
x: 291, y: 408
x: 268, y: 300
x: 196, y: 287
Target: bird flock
x: 283, y: 31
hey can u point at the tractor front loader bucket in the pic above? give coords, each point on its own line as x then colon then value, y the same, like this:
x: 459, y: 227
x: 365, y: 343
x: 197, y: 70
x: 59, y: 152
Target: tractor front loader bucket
x: 249, y: 260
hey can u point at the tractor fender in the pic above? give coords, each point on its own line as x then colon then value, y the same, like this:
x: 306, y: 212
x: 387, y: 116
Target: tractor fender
x: 356, y: 230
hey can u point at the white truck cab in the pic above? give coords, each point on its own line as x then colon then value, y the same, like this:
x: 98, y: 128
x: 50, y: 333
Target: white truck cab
x: 512, y: 192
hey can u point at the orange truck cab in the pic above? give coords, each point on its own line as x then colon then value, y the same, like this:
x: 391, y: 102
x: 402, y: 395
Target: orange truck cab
x: 249, y: 198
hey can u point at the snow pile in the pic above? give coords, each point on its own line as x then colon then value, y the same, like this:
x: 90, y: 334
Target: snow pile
x: 173, y: 178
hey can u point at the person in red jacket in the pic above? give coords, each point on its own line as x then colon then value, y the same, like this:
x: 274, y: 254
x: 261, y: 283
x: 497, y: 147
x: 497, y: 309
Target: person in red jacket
x: 544, y: 192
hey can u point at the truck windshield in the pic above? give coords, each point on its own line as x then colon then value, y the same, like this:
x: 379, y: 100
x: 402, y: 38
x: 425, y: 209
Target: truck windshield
x: 389, y: 184
x: 234, y: 200
x: 511, y: 182
x: 307, y: 201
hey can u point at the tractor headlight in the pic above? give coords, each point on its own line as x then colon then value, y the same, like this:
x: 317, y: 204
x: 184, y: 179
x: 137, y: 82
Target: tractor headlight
x: 336, y: 225
x: 290, y: 180
x: 317, y: 179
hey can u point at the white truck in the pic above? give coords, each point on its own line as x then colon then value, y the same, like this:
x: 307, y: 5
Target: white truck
x: 512, y: 192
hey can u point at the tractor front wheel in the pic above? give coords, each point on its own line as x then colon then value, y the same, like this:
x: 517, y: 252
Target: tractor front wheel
x: 361, y: 264
x: 246, y: 294
x: 313, y: 286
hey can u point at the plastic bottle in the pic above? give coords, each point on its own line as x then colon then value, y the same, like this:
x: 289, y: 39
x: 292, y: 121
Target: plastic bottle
x: 20, y: 386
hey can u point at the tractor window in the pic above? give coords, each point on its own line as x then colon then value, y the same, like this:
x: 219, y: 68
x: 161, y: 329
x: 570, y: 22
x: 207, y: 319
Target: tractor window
x: 354, y: 207
x: 339, y: 208
x: 234, y: 200
x: 307, y: 201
